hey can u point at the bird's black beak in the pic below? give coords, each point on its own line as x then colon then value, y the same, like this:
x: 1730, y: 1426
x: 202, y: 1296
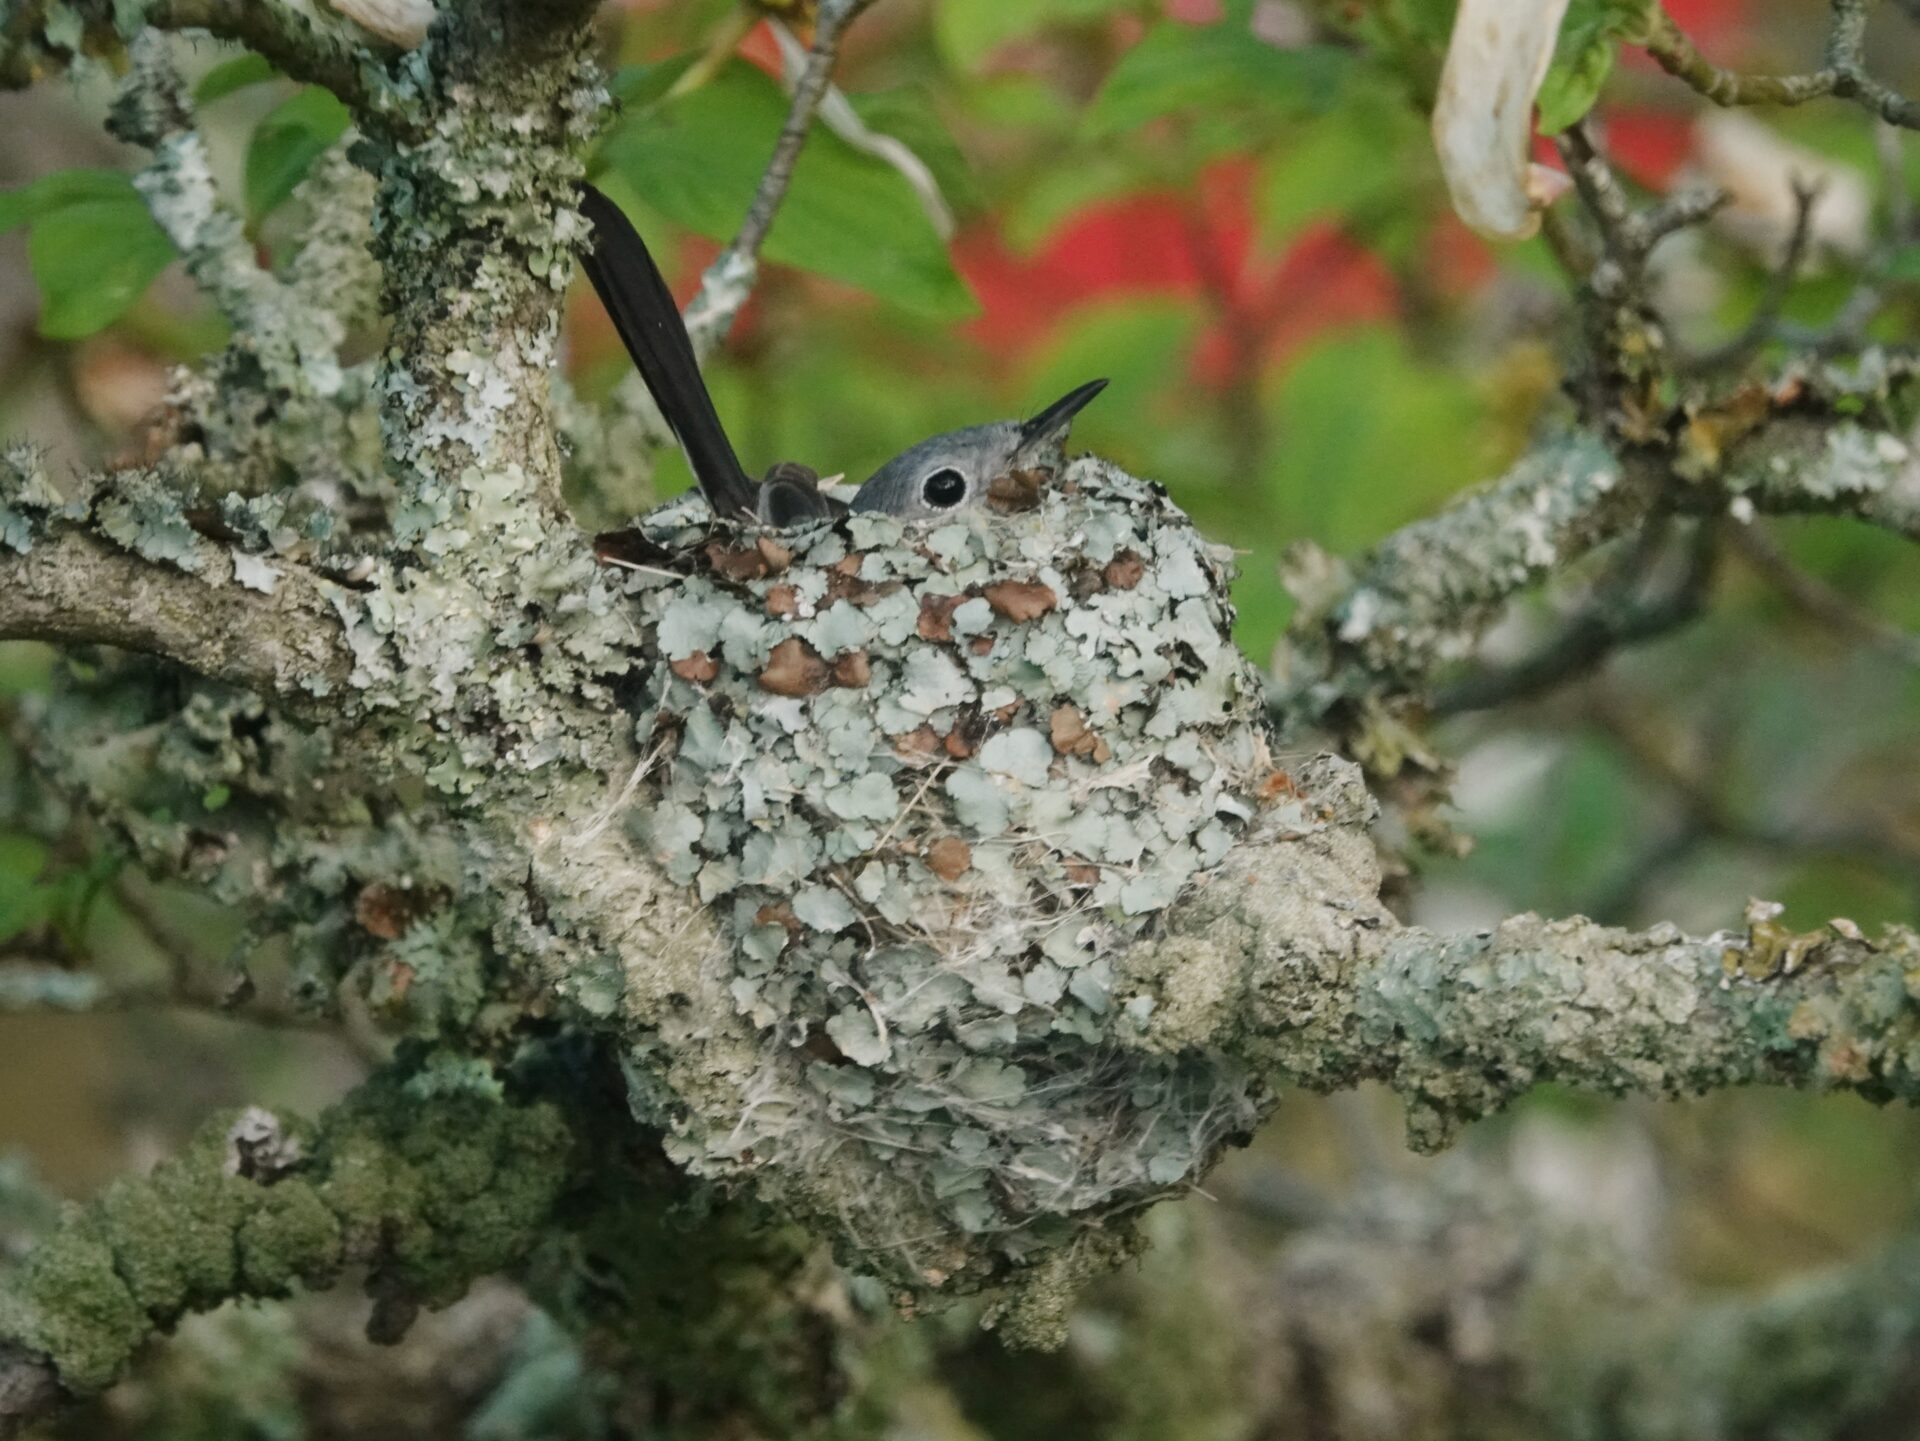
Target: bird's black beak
x: 1052, y: 423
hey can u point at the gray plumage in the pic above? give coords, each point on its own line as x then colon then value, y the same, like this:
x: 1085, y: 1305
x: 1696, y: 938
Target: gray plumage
x: 952, y: 471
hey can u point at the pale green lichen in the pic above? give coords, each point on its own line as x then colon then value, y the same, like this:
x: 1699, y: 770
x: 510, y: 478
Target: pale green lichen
x: 1040, y: 736
x: 28, y: 500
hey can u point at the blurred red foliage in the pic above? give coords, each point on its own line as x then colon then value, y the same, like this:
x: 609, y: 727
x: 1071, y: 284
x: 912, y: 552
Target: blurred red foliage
x: 1201, y: 244
x: 1198, y: 245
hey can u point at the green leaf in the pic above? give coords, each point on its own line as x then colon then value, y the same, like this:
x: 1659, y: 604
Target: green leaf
x: 63, y: 187
x: 286, y: 144
x: 233, y: 75
x: 1056, y: 193
x: 1905, y: 264
x: 92, y: 260
x: 637, y: 86
x: 1341, y: 163
x: 696, y: 159
x: 1179, y: 67
x: 1136, y: 342
x: 1368, y: 437
x: 1573, y: 84
x: 970, y: 31
x: 908, y: 115
x: 1583, y: 58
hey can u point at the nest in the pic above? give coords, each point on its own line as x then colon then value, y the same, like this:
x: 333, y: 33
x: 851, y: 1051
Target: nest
x: 932, y: 782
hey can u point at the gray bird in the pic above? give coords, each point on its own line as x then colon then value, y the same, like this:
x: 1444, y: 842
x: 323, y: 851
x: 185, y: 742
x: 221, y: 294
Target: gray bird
x: 955, y: 470
x: 947, y: 473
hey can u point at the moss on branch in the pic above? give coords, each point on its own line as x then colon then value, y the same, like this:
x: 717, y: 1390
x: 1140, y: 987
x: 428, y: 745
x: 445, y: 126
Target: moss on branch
x: 428, y: 1187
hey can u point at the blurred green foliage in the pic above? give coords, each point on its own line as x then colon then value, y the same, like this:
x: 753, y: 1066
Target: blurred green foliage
x: 695, y: 159
x: 93, y: 246
x: 1590, y: 37
x: 286, y: 143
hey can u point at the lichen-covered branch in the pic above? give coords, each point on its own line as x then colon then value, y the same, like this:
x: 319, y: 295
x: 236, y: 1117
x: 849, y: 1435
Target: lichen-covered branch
x: 297, y: 346
x: 1288, y: 959
x: 1813, y: 465
x: 426, y: 1187
x: 1377, y: 634
x: 1844, y: 72
x: 126, y: 568
x: 1625, y: 610
x: 308, y: 42
x: 1422, y: 597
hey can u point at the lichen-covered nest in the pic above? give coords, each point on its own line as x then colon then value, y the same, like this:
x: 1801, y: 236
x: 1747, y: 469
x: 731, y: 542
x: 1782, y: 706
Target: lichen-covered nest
x: 932, y: 781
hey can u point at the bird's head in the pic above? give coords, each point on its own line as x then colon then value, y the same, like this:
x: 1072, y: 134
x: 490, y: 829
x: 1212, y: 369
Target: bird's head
x: 953, y: 471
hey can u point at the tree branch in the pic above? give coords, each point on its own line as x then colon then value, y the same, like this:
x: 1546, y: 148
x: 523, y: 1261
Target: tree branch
x: 295, y: 345
x: 1289, y: 960
x: 428, y: 1187
x: 30, y: 984
x: 1381, y: 630
x: 307, y: 43
x: 1764, y: 323
x: 1617, y: 617
x: 76, y: 589
x: 128, y: 570
x: 1843, y: 75
x: 1810, y: 465
x: 729, y: 280
x: 1423, y: 595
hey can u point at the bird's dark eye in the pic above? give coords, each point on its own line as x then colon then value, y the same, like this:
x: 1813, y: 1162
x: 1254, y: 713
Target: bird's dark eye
x: 944, y: 488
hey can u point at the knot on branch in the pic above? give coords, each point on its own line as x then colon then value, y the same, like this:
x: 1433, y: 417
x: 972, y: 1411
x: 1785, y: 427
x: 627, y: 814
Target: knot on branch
x: 933, y: 785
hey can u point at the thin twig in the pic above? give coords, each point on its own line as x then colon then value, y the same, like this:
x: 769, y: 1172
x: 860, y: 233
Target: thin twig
x: 35, y: 984
x: 729, y: 280
x: 1616, y: 619
x: 1677, y: 212
x: 1630, y: 235
x: 1764, y: 325
x: 33, y: 980
x: 1817, y: 600
x: 1843, y: 75
x: 1701, y: 795
x: 839, y: 116
x: 1674, y: 51
x: 1599, y: 188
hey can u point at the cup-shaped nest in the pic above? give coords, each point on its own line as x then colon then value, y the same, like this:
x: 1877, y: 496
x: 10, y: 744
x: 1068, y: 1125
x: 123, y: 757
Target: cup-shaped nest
x: 932, y: 782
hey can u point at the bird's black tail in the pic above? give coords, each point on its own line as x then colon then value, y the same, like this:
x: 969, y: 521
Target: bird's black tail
x: 642, y: 308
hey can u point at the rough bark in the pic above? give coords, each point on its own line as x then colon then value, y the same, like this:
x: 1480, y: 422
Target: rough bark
x: 79, y: 588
